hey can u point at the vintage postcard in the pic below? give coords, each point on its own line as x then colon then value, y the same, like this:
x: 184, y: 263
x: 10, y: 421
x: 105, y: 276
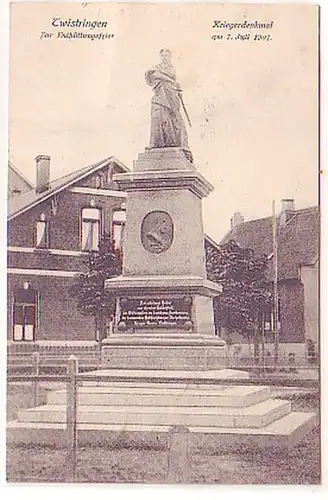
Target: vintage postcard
x: 163, y: 244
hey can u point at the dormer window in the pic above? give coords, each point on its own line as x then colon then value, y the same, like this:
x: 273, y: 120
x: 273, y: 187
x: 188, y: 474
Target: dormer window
x: 91, y: 229
x: 99, y: 181
x: 42, y: 232
x: 110, y: 175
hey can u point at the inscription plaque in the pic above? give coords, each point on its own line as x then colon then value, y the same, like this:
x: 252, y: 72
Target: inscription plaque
x: 156, y: 313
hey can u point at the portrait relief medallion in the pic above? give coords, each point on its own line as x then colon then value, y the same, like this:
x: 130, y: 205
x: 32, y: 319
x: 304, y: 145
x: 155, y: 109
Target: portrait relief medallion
x: 157, y: 231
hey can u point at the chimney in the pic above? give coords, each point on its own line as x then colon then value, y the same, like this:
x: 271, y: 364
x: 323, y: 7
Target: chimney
x: 236, y: 219
x: 287, y: 210
x: 42, y: 173
x: 287, y: 204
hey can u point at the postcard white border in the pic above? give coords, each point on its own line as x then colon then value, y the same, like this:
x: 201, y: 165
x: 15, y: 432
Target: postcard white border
x: 143, y: 491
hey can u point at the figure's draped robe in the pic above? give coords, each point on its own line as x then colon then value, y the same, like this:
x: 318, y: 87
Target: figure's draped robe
x: 167, y: 126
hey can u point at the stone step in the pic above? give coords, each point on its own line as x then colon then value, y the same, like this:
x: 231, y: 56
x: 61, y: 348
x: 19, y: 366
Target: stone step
x: 163, y: 339
x: 284, y: 432
x: 238, y: 396
x: 170, y: 376
x: 257, y: 415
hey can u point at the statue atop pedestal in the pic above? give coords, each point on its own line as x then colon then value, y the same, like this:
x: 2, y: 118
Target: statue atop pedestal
x: 167, y: 127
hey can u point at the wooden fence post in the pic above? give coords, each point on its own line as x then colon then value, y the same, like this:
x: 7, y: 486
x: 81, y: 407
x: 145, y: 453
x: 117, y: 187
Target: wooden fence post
x: 35, y: 383
x: 178, y: 460
x: 71, y: 424
x: 99, y: 351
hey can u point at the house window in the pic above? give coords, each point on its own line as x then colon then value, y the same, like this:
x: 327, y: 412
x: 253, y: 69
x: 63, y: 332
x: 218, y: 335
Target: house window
x: 119, y: 218
x: 25, y: 315
x: 269, y: 320
x: 91, y: 229
x: 42, y: 233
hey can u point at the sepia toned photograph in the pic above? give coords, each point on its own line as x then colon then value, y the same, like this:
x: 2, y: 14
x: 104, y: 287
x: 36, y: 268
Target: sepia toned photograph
x: 163, y: 244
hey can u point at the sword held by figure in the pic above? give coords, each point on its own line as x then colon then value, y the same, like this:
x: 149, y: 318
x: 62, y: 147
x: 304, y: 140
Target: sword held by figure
x: 184, y: 109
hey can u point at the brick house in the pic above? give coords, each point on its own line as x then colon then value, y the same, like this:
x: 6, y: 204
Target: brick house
x: 51, y: 229
x: 298, y: 271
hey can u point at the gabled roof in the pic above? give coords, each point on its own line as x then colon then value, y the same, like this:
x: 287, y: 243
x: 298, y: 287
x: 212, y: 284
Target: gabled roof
x: 19, y: 204
x: 298, y: 240
x: 209, y: 241
x: 13, y: 167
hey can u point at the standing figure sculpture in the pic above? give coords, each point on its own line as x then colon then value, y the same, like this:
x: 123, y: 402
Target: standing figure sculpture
x: 167, y: 125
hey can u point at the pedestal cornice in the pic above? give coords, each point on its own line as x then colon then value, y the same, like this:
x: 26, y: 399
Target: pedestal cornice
x: 163, y: 284
x: 164, y: 180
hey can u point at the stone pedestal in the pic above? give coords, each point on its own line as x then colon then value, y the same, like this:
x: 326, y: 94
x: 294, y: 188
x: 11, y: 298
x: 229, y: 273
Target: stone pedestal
x: 150, y: 303
x: 176, y: 191
x: 155, y: 351
x: 163, y: 289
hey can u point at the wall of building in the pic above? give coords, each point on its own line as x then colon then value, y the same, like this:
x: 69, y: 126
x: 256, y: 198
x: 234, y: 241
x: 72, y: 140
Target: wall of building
x: 309, y: 278
x: 44, y: 259
x: 291, y: 296
x: 59, y: 317
x: 16, y: 184
x: 65, y: 226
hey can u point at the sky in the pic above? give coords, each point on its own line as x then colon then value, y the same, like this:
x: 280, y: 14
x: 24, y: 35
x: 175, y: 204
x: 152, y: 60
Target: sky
x: 253, y: 104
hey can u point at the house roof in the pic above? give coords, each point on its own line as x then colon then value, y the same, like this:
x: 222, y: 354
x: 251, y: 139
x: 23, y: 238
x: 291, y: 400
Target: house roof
x: 211, y: 242
x: 19, y: 204
x: 13, y: 167
x: 297, y: 241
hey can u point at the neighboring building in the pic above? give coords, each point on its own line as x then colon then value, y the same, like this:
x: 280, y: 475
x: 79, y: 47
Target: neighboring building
x: 17, y: 182
x: 51, y: 229
x: 298, y: 271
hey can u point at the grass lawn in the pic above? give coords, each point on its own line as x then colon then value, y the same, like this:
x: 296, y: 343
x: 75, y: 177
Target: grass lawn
x: 301, y: 465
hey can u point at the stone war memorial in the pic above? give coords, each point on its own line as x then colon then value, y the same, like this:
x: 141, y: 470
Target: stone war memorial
x: 164, y: 314
x: 166, y: 370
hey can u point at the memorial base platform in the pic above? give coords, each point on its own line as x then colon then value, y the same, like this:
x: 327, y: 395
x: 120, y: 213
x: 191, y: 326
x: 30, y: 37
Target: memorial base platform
x: 133, y: 410
x: 170, y: 351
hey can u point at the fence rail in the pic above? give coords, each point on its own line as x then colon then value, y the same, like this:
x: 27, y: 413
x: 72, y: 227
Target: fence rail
x: 277, y: 381
x: 53, y: 364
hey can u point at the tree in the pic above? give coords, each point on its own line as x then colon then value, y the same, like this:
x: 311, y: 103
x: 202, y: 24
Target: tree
x: 246, y: 294
x: 89, y: 288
